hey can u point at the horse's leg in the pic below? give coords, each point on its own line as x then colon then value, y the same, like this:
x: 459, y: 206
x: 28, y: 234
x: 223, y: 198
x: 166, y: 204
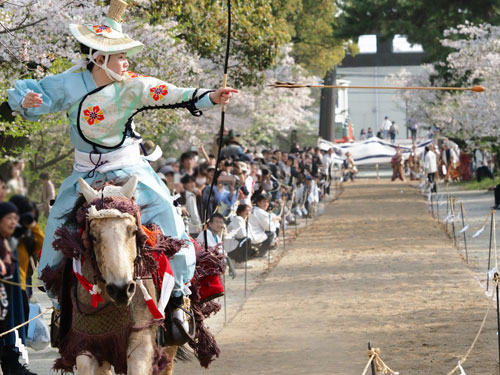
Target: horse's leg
x: 86, y: 364
x: 171, y: 352
x: 140, y: 352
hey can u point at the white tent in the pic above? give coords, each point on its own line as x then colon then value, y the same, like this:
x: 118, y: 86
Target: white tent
x: 370, y: 151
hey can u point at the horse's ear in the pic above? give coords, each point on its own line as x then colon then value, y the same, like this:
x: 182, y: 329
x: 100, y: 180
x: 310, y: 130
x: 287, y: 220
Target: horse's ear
x: 88, y: 192
x: 129, y: 188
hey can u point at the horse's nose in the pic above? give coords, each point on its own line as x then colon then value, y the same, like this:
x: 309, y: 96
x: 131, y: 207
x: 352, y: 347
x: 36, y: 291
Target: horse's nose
x: 121, y: 294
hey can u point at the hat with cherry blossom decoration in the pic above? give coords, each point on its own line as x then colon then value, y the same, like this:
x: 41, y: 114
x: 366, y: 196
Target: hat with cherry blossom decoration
x: 107, y: 38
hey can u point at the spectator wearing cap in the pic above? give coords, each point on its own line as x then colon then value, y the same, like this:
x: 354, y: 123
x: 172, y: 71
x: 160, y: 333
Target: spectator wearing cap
x: 16, y: 314
x: 260, y: 157
x: 166, y: 174
x: 189, y: 195
x: 263, y: 225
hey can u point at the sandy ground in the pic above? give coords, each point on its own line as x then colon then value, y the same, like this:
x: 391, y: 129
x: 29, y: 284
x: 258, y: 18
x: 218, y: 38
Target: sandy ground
x: 375, y: 267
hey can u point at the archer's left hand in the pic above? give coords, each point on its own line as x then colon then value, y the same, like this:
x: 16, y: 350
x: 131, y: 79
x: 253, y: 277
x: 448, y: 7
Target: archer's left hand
x: 222, y: 95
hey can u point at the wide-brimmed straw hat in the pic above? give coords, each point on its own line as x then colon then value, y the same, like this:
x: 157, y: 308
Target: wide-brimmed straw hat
x: 109, y: 37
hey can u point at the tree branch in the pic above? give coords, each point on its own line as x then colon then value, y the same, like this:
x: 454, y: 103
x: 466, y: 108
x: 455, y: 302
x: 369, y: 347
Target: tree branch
x: 55, y: 160
x: 20, y: 27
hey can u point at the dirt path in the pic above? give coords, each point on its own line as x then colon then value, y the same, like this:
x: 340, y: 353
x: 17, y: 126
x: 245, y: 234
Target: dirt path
x: 375, y: 267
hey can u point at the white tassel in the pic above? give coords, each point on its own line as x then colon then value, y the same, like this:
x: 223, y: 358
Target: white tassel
x: 464, y: 228
x: 478, y: 232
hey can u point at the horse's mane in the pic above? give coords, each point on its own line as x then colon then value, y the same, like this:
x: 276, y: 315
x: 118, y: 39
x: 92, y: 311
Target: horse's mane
x: 76, y: 216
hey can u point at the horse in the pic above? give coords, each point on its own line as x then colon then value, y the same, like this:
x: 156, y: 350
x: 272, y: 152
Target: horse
x: 111, y: 322
x: 107, y: 322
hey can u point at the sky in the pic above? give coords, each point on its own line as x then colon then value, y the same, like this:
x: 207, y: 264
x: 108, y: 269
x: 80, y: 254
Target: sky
x: 368, y: 44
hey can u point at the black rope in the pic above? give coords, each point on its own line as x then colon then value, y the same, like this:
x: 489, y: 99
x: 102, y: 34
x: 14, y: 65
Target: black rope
x: 97, y: 164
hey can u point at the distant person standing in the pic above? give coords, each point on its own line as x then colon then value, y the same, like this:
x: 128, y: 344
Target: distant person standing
x: 393, y: 131
x: 413, y: 126
x: 48, y: 194
x: 386, y: 126
x: 496, y: 189
x: 430, y: 165
x: 398, y: 163
x: 16, y: 184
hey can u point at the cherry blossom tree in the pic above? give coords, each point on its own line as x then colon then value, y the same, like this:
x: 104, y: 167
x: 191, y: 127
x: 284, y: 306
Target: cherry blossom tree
x: 35, y: 41
x: 465, y: 115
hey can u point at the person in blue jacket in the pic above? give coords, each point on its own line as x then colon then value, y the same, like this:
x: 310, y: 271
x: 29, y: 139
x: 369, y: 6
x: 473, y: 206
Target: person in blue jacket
x: 100, y: 103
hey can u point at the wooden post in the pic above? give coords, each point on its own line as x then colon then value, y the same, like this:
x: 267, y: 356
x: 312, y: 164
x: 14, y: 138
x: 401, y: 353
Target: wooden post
x: 373, y: 362
x: 489, y: 254
x: 463, y: 226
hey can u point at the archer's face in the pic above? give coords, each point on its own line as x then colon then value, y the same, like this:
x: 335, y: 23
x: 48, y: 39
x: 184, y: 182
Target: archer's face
x: 118, y: 63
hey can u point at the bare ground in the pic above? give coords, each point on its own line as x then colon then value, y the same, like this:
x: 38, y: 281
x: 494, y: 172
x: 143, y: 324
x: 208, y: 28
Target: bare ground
x: 375, y: 267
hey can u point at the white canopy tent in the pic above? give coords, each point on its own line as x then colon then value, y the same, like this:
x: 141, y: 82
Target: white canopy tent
x: 370, y: 151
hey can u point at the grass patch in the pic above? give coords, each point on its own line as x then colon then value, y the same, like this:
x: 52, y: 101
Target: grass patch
x: 474, y: 185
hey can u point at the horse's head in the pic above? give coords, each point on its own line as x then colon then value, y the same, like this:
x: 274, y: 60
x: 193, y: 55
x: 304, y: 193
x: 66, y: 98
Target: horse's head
x: 112, y: 236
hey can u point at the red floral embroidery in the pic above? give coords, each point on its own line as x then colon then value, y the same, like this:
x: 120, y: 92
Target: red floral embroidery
x: 135, y: 75
x: 158, y: 92
x: 101, y: 28
x: 93, y: 115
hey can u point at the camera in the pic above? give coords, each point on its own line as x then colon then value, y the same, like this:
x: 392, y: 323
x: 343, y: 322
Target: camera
x: 226, y: 180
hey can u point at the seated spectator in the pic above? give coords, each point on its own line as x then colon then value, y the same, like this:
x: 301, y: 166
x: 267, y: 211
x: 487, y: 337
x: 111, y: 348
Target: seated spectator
x: 237, y: 242
x: 263, y: 225
x: 307, y: 197
x: 214, y: 231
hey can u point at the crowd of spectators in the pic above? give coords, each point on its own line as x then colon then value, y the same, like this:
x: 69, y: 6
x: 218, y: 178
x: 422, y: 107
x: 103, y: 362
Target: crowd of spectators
x: 256, y: 193
x: 21, y: 240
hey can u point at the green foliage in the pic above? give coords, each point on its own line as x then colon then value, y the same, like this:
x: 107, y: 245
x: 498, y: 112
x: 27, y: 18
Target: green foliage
x: 312, y: 25
x: 259, y: 29
x: 483, y: 185
x: 257, y: 33
x: 422, y: 21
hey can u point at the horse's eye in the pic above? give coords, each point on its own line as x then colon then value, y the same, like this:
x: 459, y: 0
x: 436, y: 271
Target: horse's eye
x: 91, y: 237
x: 132, y: 230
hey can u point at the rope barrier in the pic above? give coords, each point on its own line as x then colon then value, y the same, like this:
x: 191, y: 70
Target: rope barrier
x: 27, y: 322
x: 18, y: 284
x: 480, y: 228
x: 380, y: 365
x: 464, y: 358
